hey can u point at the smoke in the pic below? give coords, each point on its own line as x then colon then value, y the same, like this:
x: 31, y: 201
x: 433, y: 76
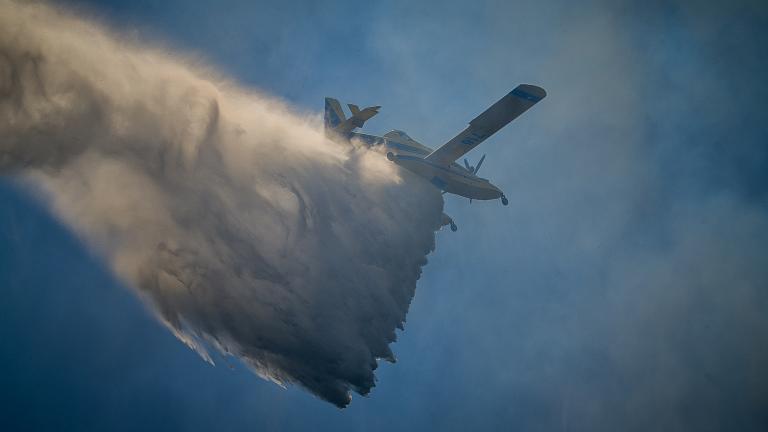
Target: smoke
x: 247, y: 232
x: 630, y: 276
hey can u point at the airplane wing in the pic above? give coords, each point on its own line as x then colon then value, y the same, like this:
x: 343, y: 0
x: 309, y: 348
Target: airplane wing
x: 488, y: 123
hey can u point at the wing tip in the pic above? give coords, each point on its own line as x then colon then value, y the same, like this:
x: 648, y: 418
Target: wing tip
x: 529, y: 92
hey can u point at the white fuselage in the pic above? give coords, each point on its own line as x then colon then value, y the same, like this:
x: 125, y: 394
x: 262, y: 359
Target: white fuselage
x: 452, y: 178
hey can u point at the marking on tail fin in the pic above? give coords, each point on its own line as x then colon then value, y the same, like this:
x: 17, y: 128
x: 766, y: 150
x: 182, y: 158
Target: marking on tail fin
x: 334, y: 115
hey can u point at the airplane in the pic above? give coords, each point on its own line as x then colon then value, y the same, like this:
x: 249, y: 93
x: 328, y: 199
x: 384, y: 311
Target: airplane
x: 439, y: 166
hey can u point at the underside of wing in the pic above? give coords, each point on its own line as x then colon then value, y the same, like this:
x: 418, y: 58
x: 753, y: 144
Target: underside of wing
x: 489, y: 122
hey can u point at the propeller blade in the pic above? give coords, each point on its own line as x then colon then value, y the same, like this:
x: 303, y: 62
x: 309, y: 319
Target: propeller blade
x: 466, y: 164
x: 477, y: 167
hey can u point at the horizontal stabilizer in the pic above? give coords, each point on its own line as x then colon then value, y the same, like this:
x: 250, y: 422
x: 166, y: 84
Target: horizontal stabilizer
x: 336, y: 121
x: 364, y: 114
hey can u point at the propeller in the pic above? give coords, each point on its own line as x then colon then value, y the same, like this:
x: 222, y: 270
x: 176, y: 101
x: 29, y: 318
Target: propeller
x: 480, y: 162
x: 474, y: 169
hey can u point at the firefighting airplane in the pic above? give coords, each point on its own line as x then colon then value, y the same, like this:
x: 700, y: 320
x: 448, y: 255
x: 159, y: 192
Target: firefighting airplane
x: 439, y: 166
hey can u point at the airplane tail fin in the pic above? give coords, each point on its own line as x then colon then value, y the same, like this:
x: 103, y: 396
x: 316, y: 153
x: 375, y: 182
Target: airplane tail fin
x: 336, y: 121
x: 334, y: 115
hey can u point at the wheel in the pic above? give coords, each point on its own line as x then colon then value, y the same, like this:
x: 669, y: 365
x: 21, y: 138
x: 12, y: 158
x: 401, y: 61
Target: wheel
x: 390, y: 156
x: 504, y: 200
x: 454, y: 227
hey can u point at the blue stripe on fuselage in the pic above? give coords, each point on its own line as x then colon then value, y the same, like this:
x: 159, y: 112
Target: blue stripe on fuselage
x: 406, y: 147
x: 459, y: 173
x: 440, y: 183
x: 368, y: 139
x: 374, y: 140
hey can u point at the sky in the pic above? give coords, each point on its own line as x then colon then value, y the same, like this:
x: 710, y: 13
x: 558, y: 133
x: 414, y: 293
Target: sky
x: 623, y: 287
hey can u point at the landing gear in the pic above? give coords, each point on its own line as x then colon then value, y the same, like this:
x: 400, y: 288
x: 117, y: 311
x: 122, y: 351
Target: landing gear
x: 504, y: 200
x: 446, y: 220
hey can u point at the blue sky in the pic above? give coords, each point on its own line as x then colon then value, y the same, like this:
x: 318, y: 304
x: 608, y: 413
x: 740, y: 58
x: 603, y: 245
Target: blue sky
x: 624, y: 286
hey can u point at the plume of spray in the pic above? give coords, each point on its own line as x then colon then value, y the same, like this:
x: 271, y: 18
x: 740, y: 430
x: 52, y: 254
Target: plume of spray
x: 241, y: 226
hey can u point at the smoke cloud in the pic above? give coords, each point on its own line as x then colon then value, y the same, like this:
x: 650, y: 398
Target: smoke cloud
x: 247, y: 232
